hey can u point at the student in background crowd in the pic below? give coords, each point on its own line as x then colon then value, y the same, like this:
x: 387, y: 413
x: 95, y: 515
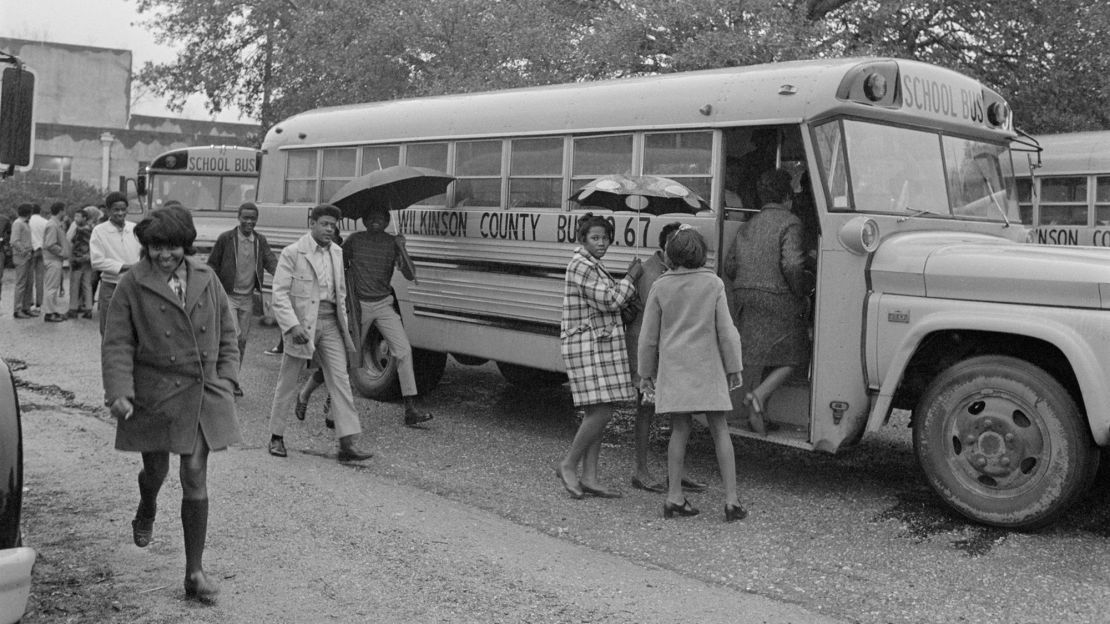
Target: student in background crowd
x: 113, y: 249
x: 80, y: 267
x: 55, y: 251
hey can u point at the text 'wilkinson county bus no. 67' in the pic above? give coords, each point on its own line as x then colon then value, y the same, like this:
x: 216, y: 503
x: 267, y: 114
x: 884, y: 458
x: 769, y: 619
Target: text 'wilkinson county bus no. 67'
x: 927, y: 298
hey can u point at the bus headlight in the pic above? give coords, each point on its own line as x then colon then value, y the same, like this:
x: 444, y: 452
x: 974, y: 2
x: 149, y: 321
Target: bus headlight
x: 860, y: 235
x: 874, y: 87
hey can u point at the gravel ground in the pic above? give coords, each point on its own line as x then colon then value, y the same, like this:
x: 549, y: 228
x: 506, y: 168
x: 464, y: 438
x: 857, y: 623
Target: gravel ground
x: 857, y: 537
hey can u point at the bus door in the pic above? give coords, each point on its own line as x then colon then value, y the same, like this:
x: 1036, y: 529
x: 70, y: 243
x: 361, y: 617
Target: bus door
x: 747, y: 153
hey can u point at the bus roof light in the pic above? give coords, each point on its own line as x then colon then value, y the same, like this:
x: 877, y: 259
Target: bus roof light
x: 788, y: 89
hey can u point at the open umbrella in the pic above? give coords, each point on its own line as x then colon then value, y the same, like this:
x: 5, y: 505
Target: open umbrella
x: 654, y: 195
x: 394, y: 188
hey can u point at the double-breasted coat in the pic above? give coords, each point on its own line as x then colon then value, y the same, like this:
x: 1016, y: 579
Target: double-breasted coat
x: 688, y: 343
x: 592, y: 333
x: 294, y: 295
x: 179, y: 364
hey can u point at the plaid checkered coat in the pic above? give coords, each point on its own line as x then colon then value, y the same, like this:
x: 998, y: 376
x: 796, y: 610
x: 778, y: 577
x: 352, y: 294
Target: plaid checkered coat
x: 592, y: 334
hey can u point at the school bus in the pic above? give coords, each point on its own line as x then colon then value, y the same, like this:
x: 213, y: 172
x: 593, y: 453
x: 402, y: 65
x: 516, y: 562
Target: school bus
x: 1065, y: 195
x: 927, y: 297
x: 211, y: 181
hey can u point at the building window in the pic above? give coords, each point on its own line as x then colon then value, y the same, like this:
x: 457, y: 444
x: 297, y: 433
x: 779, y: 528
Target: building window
x: 54, y: 169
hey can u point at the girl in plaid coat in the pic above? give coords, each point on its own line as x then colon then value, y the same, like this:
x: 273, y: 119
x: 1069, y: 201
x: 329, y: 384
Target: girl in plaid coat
x: 593, y: 349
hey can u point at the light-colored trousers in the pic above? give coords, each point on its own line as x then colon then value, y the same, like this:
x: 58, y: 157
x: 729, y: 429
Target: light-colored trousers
x: 331, y: 355
x: 52, y: 300
x: 392, y: 330
x: 242, y: 306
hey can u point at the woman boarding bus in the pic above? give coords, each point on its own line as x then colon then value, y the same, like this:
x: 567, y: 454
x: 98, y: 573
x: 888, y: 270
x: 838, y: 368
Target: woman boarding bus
x: 1066, y: 197
x: 212, y: 182
x: 925, y: 300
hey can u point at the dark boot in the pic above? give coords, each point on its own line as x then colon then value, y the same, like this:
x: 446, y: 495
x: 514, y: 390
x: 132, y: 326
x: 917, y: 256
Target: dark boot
x: 414, y: 416
x: 194, y: 524
x: 142, y: 527
x: 349, y: 452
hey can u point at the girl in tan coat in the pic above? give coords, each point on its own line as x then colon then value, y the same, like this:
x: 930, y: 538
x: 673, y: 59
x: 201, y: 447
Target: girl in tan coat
x: 689, y: 359
x: 170, y: 364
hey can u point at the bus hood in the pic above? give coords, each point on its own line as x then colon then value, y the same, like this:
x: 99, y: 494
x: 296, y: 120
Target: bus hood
x: 979, y: 267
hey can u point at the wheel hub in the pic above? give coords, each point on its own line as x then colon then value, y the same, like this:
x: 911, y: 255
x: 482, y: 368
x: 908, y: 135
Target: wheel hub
x: 997, y: 441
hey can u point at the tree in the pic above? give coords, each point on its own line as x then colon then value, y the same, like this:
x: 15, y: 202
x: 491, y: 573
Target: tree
x: 275, y: 58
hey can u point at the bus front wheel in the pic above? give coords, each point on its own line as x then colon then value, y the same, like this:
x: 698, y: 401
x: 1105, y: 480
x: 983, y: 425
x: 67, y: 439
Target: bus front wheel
x: 377, y: 378
x: 1003, y: 443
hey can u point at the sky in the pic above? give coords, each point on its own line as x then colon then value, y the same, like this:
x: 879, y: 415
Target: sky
x: 100, y: 23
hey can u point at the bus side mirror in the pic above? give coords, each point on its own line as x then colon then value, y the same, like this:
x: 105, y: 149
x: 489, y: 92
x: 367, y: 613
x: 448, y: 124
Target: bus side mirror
x: 17, y: 127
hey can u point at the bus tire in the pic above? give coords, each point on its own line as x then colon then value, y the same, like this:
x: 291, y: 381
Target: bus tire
x: 1003, y: 443
x: 527, y: 376
x: 377, y: 378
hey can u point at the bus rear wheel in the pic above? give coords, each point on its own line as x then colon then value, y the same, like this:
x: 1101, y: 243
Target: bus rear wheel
x: 527, y: 376
x: 377, y: 378
x: 1003, y: 443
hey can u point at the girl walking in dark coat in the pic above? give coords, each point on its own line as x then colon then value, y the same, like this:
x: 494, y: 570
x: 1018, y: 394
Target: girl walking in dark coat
x: 170, y: 363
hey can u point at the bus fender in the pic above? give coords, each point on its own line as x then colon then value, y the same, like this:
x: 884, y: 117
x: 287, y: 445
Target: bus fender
x: 1084, y: 362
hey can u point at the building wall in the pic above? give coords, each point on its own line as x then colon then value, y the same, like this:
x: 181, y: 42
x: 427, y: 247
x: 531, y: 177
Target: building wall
x: 77, y: 85
x: 82, y: 112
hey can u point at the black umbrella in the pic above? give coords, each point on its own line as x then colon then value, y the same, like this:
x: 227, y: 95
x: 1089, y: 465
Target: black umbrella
x: 395, y: 187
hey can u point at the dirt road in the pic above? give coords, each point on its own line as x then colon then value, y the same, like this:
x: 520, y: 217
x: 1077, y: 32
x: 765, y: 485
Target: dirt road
x: 303, y: 541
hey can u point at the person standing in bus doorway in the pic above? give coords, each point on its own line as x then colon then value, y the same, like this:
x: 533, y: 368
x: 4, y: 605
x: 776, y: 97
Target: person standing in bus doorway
x: 594, y: 350
x: 113, y: 249
x: 767, y: 266
x: 21, y: 258
x: 38, y: 269
x: 309, y: 298
x: 80, y: 269
x: 689, y: 344
x: 371, y: 256
x: 239, y: 257
x: 55, y: 251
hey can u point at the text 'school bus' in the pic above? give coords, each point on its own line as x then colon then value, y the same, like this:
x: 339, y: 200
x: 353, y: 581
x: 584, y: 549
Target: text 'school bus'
x: 1067, y: 198
x: 927, y: 297
x: 211, y: 181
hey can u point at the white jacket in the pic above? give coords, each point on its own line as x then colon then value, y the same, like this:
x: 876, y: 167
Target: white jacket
x: 295, y: 285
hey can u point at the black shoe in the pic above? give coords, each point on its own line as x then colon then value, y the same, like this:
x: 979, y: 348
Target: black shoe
x: 72, y: 314
x: 575, y: 492
x: 238, y: 392
x: 694, y: 486
x: 31, y: 312
x: 201, y: 587
x: 685, y: 509
x: 734, y: 513
x: 348, y: 452
x: 414, y: 418
x: 87, y: 314
x: 277, y: 448
x: 648, y: 487
x: 21, y: 314
x: 600, y: 492
x: 300, y: 408
x: 329, y: 423
x: 142, y: 530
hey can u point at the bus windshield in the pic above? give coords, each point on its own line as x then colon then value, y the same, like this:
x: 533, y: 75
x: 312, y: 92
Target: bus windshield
x: 877, y: 168
x: 202, y: 192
